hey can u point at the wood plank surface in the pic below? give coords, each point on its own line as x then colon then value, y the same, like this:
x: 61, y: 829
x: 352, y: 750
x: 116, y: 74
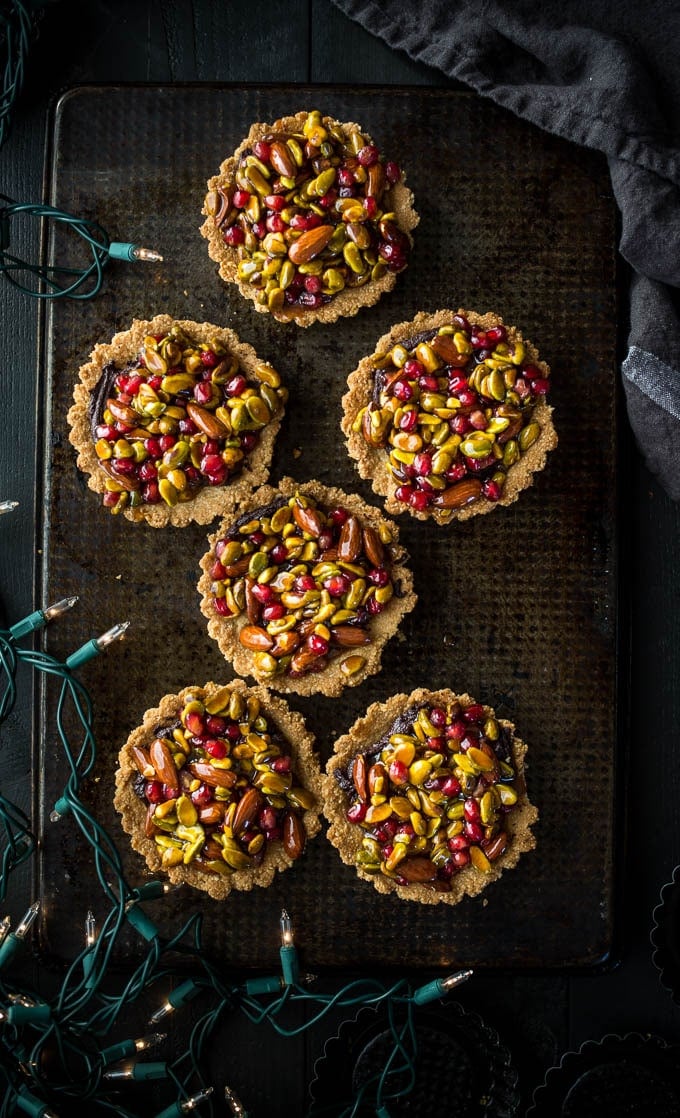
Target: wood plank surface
x: 310, y: 40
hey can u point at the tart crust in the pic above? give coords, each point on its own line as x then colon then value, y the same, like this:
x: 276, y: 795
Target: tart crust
x: 346, y: 836
x: 133, y: 812
x: 348, y: 301
x: 210, y: 501
x: 372, y: 462
x: 331, y: 680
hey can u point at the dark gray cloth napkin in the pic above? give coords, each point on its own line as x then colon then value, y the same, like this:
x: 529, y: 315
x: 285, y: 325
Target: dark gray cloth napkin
x: 604, y: 74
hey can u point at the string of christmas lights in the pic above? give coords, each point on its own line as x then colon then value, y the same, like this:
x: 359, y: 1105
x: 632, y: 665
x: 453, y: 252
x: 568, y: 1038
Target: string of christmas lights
x: 59, y: 1051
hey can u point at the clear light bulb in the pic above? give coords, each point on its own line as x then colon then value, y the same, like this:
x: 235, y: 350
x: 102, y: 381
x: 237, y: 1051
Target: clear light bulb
x: 150, y: 1041
x: 26, y: 923
x: 8, y: 506
x: 236, y: 1107
x: 51, y: 612
x: 90, y: 929
x: 116, y: 633
x: 286, y: 925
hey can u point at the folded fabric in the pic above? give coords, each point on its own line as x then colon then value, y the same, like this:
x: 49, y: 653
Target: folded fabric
x: 605, y: 76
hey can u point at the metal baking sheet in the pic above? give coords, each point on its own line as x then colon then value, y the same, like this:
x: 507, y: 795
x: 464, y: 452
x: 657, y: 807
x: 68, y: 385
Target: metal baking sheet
x: 519, y: 608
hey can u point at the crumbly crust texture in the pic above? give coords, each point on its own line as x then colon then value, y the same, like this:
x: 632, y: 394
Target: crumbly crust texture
x: 348, y: 301
x: 346, y: 836
x: 210, y: 501
x: 133, y: 812
x: 372, y: 462
x: 331, y: 680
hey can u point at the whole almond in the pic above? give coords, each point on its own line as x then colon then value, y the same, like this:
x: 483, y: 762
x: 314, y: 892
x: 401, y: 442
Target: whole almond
x: 206, y: 422
x: 350, y: 636
x: 359, y: 777
x: 255, y: 638
x: 308, y: 519
x: 162, y: 760
x: 246, y: 809
x: 142, y: 760
x: 349, y: 543
x: 417, y: 869
x: 310, y: 244
x: 216, y: 778
x: 459, y: 494
x: 373, y: 546
x: 281, y: 160
x: 122, y: 412
x: 294, y: 835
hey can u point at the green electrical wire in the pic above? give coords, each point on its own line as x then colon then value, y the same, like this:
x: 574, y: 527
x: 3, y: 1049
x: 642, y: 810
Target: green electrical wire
x: 57, y: 281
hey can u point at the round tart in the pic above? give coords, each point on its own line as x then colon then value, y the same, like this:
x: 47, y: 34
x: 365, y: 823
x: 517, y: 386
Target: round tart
x: 309, y: 219
x: 448, y: 417
x: 426, y: 797
x: 175, y: 421
x: 304, y: 588
x: 219, y: 787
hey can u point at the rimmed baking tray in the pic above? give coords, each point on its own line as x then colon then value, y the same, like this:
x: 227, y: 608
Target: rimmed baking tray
x: 519, y: 608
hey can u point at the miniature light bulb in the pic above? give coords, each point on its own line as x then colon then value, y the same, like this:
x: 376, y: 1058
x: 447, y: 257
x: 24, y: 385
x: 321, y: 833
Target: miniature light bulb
x: 287, y: 951
x: 286, y: 925
x: 27, y: 921
x: 92, y: 648
x: 8, y: 506
x: 236, y: 1107
x: 126, y: 250
x: 90, y: 929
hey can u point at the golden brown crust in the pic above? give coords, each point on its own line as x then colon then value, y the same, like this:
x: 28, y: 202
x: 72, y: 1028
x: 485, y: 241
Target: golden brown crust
x: 372, y: 462
x: 348, y: 301
x: 331, y: 680
x: 346, y: 836
x: 133, y: 810
x: 211, y: 501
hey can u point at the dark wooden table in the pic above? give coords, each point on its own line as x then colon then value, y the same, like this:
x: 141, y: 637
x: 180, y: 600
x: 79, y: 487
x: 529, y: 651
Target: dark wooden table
x: 305, y: 41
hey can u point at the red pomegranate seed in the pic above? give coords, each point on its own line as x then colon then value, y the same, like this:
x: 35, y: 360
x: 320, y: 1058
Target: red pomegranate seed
x: 316, y: 644
x: 279, y: 553
x: 337, y: 585
x: 215, y: 748
x: 474, y: 713
x: 374, y: 606
x: 187, y: 427
x: 496, y: 334
x: 194, y: 723
x: 273, y: 611
x: 215, y: 725
x: 422, y: 464
x: 233, y: 236
x: 370, y: 206
x: 476, y: 465
x: 275, y: 223
x: 111, y: 499
x: 474, y: 831
x: 478, y: 338
x: 368, y: 155
x: 392, y: 172
x: 259, y: 229
x: 313, y: 284
x: 169, y: 793
x: 202, y: 795
x: 478, y: 420
x: 241, y: 199
x: 152, y: 447
x: 150, y: 493
x: 304, y: 582
x: 124, y: 465
x: 147, y: 471
x: 262, y: 150
x: 540, y: 386
x: 203, y: 392
x: 408, y: 421
x: 428, y: 383
x: 302, y: 222
x: 419, y: 500
x: 153, y: 790
x: 455, y: 472
x: 308, y: 299
x: 522, y: 388
x: 460, y: 858
x: 451, y: 786
x: 211, y: 464
x: 471, y: 810
x: 458, y: 842
x: 344, y: 177
x: 282, y: 765
x: 338, y: 516
x: 262, y: 592
x: 403, y: 493
x: 249, y: 440
x: 467, y: 397
x: 208, y: 358
x: 106, y: 431
x: 233, y: 731
x: 327, y: 200
x: 275, y: 202
x: 166, y: 442
x: 379, y: 576
x: 402, y: 390
x: 267, y: 819
x: 491, y: 490
x: 456, y: 730
x: 217, y: 571
x: 257, y: 537
x: 221, y: 607
x: 393, y: 255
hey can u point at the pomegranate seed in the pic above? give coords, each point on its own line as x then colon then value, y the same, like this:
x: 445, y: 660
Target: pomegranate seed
x: 233, y: 731
x: 451, y: 786
x: 166, y: 442
x: 428, y: 383
x: 408, y: 421
x: 152, y: 447
x: 275, y: 223
x: 460, y: 858
x: 478, y: 339
x: 419, y: 500
x: 218, y: 477
x: 406, y: 829
x: 461, y: 321
x: 279, y: 554
x: 317, y: 644
x: 202, y: 795
x: 233, y: 235
x: 257, y: 537
x: 491, y: 490
x: 467, y: 397
x: 275, y: 202
x: 249, y: 440
x: 124, y: 398
x: 106, y: 431
x: 368, y: 155
x: 208, y: 358
x: 281, y: 765
x: 393, y: 255
x: 374, y: 606
x: 402, y: 390
x: 370, y: 206
x: 211, y: 446
x: 455, y: 472
x: 194, y: 723
x: 437, y: 745
x: 124, y: 465
x: 153, y: 790
x: 540, y: 386
x: 308, y: 299
x: 403, y: 493
x: 211, y: 464
x: 147, y: 471
x: 471, y: 810
x: 522, y: 388
x: 457, y: 382
x: 398, y: 772
x: 273, y: 834
x: 456, y: 730
x: 476, y: 465
x: 474, y: 831
x: 111, y: 499
x: 150, y: 493
x: 474, y: 713
x: 215, y: 725
x: 338, y: 516
x: 438, y: 717
x: 422, y: 464
x: 217, y: 571
x: 273, y: 611
x: 267, y: 818
x: 496, y: 334
x: 387, y: 850
x: 187, y: 427
x: 168, y: 792
x: 241, y: 199
x: 221, y: 607
x: 337, y: 585
x: 379, y: 576
x: 192, y: 474
x: 203, y: 393
x: 325, y: 540
x: 458, y: 842
x: 262, y: 592
x: 344, y: 177
x: 236, y: 385
x: 327, y: 200
x: 262, y: 150
x: 478, y: 420
x: 302, y: 222
x: 392, y: 172
x: 304, y: 582
x: 313, y: 284
x: 259, y: 229
x: 215, y: 748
